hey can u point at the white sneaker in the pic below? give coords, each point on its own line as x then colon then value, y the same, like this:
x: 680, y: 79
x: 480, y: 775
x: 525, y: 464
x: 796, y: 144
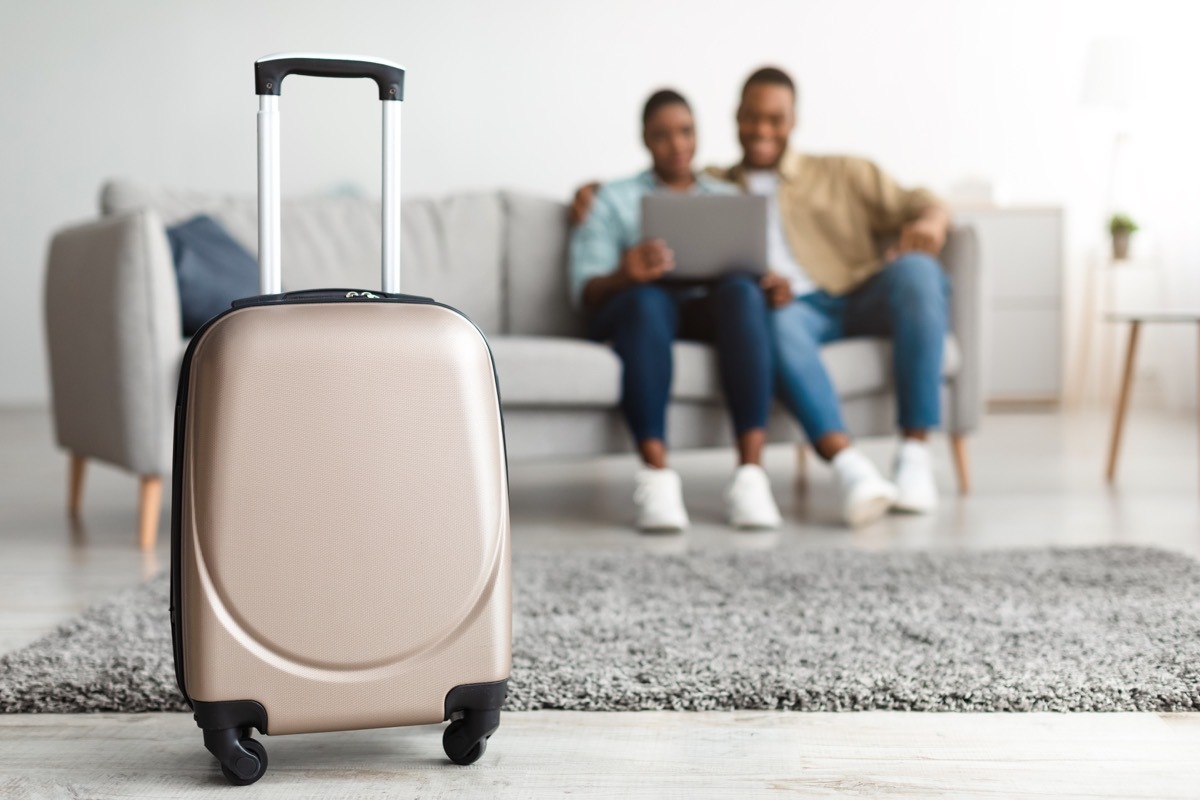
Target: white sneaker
x: 866, y: 496
x: 659, y: 500
x: 749, y: 499
x: 913, y: 475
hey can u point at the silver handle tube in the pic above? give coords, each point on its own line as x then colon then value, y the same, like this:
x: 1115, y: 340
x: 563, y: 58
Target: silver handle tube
x: 269, y: 276
x: 391, y: 196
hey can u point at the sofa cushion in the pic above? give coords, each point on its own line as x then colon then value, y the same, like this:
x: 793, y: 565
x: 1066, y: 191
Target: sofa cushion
x: 542, y: 371
x: 451, y: 247
x: 538, y: 303
x: 555, y: 371
x: 856, y: 366
x: 453, y: 251
x: 328, y: 241
x: 213, y: 270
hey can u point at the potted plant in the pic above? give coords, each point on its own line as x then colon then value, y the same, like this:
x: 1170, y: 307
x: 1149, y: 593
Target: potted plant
x: 1121, y: 226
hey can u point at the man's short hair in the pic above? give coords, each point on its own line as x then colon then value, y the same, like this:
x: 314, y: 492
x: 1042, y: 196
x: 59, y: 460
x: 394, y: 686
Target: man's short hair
x: 769, y: 76
x: 661, y: 98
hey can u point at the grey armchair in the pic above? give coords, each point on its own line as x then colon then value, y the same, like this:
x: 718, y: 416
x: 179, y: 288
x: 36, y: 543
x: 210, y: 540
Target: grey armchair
x: 113, y: 327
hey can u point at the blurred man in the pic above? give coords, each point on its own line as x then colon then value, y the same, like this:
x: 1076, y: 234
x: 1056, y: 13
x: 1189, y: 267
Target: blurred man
x: 827, y: 282
x: 615, y: 278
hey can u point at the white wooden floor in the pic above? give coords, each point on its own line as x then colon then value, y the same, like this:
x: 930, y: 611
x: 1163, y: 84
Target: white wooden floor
x: 1038, y: 482
x: 647, y: 755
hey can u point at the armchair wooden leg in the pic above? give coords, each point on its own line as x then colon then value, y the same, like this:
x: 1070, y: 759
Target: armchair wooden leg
x: 75, y: 485
x: 149, y: 506
x: 801, y: 467
x: 962, y: 464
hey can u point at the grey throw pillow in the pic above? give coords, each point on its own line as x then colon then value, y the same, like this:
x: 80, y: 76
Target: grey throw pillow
x: 213, y: 270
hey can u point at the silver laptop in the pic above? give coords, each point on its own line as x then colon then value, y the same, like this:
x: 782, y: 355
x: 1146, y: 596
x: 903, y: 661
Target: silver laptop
x: 711, y: 235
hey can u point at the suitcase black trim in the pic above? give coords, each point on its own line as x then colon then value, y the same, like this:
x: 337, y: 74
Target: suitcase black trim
x: 306, y: 297
x: 230, y: 714
x: 475, y: 697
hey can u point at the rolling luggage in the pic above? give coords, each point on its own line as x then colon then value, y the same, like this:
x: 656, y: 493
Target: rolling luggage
x: 340, y: 538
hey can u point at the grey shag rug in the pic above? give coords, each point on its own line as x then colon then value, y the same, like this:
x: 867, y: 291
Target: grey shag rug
x: 1104, y: 629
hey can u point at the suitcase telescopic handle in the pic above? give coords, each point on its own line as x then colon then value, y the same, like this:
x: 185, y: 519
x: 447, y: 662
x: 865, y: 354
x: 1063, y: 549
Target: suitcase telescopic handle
x: 269, y: 72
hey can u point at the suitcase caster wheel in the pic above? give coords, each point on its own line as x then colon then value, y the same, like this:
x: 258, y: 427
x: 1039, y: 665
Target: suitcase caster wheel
x: 463, y: 743
x: 245, y: 770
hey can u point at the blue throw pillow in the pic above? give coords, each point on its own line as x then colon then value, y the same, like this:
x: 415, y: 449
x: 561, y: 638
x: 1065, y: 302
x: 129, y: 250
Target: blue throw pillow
x: 213, y: 270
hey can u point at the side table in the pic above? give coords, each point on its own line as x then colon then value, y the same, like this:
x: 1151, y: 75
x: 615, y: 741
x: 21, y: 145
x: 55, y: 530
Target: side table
x: 1136, y: 319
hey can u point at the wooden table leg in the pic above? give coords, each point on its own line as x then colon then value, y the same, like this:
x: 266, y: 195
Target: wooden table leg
x: 1114, y: 447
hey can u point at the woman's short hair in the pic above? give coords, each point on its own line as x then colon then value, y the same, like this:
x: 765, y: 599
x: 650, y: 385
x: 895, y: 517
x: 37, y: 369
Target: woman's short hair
x: 661, y: 98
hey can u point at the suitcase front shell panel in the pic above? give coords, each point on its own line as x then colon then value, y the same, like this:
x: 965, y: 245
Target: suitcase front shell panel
x: 344, y: 528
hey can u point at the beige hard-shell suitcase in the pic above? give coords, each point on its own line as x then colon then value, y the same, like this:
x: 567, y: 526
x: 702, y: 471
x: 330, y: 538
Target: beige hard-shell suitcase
x: 340, y: 541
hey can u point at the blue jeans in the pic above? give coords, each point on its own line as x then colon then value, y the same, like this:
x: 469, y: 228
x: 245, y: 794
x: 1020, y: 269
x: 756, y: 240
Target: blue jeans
x: 908, y: 302
x: 642, y: 322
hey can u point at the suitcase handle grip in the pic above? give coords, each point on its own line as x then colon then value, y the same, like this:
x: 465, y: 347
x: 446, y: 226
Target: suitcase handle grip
x: 270, y: 71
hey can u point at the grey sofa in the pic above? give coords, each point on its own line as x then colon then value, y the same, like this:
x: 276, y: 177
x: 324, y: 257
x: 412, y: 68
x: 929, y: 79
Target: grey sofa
x: 113, y: 326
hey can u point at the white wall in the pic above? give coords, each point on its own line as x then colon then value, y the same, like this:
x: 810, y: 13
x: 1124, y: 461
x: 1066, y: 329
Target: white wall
x: 540, y: 95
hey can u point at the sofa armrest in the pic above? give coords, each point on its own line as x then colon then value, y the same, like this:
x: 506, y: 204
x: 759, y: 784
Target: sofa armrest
x: 114, y: 338
x: 960, y: 257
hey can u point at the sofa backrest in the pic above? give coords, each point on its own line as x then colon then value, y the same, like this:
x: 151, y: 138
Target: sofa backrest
x: 537, y: 302
x: 453, y: 247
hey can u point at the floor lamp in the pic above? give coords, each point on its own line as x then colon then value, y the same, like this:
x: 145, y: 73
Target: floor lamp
x: 1110, y: 84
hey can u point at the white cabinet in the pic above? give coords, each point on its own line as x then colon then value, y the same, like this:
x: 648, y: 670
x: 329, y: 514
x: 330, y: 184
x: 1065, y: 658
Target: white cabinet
x: 1021, y: 255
